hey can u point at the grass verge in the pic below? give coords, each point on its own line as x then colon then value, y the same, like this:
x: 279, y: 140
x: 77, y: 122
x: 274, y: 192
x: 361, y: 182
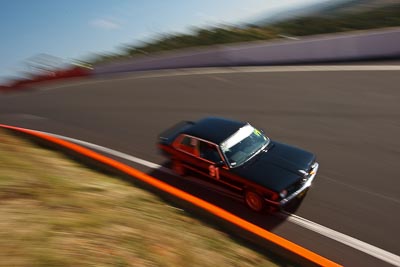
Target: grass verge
x: 56, y: 212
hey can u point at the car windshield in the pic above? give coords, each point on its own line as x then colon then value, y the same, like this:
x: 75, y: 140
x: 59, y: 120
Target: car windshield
x: 243, y: 145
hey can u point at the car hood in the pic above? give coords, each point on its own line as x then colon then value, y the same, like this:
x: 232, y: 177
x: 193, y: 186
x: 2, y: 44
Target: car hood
x: 277, y: 167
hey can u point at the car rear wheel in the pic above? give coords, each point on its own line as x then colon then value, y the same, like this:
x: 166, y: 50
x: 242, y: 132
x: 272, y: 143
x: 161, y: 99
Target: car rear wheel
x: 254, y: 201
x: 178, y: 168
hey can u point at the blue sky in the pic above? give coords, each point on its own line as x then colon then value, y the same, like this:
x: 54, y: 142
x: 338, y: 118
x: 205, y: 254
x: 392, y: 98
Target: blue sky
x: 75, y: 29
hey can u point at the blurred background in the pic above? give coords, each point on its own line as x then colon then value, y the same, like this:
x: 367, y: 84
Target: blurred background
x: 59, y: 39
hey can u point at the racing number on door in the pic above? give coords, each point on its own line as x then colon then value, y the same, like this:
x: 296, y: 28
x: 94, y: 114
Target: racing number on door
x: 214, y: 171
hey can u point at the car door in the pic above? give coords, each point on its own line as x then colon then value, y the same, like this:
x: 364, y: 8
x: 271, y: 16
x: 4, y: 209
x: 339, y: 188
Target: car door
x: 210, y: 157
x: 215, y: 167
x: 198, y: 155
x: 205, y: 158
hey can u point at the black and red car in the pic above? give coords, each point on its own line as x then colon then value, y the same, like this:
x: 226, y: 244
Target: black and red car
x: 266, y: 172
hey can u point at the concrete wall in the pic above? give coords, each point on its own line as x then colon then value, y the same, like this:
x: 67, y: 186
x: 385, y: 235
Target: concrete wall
x: 332, y: 47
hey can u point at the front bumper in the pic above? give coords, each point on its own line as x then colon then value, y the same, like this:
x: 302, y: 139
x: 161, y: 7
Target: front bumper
x: 299, y: 191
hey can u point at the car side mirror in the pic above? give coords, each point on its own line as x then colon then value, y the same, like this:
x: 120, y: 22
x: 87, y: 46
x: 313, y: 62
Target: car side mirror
x: 219, y: 164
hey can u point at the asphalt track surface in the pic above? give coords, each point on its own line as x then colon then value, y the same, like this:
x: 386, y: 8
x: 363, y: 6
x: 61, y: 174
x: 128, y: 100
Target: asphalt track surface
x: 350, y: 119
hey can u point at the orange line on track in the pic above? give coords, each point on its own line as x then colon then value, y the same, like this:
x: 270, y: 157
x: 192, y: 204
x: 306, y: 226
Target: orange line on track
x: 288, y: 245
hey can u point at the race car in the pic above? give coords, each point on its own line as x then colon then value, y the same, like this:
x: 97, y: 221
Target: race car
x: 240, y: 157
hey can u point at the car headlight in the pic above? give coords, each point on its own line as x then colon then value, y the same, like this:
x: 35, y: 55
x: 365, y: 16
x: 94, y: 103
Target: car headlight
x: 283, y: 193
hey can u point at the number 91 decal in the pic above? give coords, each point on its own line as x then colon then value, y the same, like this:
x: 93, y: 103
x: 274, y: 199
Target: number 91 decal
x: 214, y: 171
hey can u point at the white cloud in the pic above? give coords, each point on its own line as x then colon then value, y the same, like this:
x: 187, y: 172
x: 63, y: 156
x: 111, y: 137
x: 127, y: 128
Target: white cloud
x: 105, y: 24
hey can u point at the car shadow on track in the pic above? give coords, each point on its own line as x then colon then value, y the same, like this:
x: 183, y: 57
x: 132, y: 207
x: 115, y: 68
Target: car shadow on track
x: 218, y: 195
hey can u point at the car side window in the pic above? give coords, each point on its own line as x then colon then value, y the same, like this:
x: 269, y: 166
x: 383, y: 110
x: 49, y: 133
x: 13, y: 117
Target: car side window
x: 209, y: 152
x: 189, y: 144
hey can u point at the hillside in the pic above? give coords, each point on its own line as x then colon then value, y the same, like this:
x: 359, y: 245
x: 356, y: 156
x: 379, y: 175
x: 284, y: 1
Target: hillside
x: 361, y: 15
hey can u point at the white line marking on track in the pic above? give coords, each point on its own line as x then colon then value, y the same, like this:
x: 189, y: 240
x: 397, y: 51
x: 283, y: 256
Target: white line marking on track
x: 122, y: 76
x: 344, y: 239
x: 315, y: 227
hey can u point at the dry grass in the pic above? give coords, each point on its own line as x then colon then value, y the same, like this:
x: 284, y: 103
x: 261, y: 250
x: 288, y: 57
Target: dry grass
x: 55, y: 212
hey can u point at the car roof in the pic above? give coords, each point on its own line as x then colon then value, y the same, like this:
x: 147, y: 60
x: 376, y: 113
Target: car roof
x: 214, y: 129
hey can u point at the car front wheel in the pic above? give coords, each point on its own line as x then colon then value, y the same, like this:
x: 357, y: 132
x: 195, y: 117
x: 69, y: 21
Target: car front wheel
x: 254, y: 201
